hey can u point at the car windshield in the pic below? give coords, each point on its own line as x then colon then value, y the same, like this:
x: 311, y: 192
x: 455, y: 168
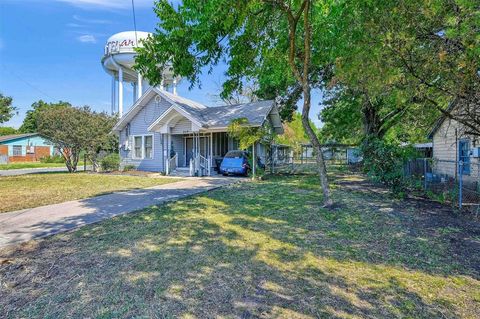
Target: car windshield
x: 234, y: 154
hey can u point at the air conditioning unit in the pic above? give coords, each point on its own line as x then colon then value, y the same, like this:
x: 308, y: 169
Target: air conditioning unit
x: 475, y: 152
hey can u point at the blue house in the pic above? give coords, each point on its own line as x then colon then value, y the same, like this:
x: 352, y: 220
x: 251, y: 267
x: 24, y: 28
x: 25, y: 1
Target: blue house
x: 165, y: 132
x: 28, y: 147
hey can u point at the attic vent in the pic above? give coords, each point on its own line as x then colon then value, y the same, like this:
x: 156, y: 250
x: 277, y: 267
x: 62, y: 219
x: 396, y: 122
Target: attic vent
x: 158, y: 99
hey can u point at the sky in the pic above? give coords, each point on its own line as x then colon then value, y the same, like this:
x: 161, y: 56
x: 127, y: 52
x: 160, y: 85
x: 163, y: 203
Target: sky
x: 51, y: 50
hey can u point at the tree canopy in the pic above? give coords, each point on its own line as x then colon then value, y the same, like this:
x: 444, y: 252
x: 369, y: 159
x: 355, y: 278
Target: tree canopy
x: 73, y: 130
x: 401, y: 63
x: 7, y: 110
x: 29, y: 124
x: 7, y: 130
x: 294, y: 134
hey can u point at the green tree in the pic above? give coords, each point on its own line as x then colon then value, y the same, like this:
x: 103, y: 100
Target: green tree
x: 7, y: 110
x: 294, y: 135
x: 342, y: 119
x: 29, y: 124
x: 268, y: 41
x: 100, y: 137
x: 249, y: 136
x: 6, y: 130
x: 73, y: 130
x: 407, y: 60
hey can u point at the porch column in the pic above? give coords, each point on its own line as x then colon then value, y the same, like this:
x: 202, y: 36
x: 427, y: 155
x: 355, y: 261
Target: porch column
x: 211, y: 153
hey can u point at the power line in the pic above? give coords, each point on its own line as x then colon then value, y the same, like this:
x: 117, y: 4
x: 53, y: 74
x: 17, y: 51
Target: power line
x: 29, y: 84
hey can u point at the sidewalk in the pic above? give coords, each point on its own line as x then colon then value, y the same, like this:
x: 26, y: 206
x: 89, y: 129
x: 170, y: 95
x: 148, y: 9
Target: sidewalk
x: 27, y: 224
x: 23, y: 171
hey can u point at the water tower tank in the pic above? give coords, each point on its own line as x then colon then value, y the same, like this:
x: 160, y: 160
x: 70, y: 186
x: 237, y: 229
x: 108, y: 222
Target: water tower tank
x: 118, y: 61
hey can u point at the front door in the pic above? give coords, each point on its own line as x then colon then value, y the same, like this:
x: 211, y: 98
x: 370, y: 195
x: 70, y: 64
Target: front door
x: 188, y: 150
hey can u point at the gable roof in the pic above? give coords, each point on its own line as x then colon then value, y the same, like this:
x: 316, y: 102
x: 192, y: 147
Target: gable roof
x: 207, y: 117
x: 147, y: 96
x: 442, y: 119
x: 222, y: 116
x: 12, y: 137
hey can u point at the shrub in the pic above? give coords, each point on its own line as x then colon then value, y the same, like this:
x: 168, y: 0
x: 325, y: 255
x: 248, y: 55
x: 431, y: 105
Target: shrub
x: 383, y: 162
x: 52, y: 159
x: 130, y: 167
x: 110, y: 162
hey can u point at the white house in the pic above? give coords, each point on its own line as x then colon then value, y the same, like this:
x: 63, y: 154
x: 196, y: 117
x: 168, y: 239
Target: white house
x: 452, y: 145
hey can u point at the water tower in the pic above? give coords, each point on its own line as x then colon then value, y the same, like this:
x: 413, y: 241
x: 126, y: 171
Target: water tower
x: 118, y: 61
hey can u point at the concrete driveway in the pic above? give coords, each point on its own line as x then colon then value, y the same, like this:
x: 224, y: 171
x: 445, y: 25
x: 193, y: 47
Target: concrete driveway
x: 27, y: 224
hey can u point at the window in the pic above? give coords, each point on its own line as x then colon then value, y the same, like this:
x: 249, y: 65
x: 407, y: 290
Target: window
x: 143, y: 146
x: 137, y: 142
x: 17, y: 150
x: 464, y: 156
x: 148, y: 144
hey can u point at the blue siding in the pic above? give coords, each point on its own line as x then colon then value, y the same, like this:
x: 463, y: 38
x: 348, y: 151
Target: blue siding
x: 179, y: 148
x: 27, y: 141
x: 139, y: 126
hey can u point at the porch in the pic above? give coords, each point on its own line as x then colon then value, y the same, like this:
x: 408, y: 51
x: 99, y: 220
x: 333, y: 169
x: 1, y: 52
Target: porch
x: 195, y: 153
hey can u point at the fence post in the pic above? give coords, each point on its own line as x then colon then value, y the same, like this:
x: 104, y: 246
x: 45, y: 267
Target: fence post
x: 460, y: 184
x: 425, y: 174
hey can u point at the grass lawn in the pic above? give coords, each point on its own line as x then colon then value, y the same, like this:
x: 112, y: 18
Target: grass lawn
x: 26, y: 191
x: 21, y: 165
x: 256, y: 250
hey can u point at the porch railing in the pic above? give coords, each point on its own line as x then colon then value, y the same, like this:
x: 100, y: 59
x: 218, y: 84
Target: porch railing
x: 171, y: 164
x: 204, y: 165
x: 200, y: 166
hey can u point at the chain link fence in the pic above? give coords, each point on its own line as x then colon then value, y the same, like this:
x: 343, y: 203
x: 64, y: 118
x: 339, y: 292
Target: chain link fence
x: 299, y: 165
x: 453, y: 182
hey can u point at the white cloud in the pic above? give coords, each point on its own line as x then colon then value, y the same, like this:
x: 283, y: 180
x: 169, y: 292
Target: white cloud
x: 108, y: 4
x: 87, y: 38
x: 91, y: 21
x: 75, y: 25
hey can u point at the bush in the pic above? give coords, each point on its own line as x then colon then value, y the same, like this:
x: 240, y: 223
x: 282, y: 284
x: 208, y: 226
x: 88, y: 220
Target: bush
x: 110, y: 163
x: 128, y: 168
x: 52, y: 159
x: 383, y: 162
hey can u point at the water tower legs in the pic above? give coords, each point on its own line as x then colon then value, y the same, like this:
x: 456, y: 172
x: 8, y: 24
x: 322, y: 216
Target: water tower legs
x: 114, y: 82
x: 139, y: 85
x: 120, y: 92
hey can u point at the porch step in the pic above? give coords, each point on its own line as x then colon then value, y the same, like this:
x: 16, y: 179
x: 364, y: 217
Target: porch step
x: 181, y: 172
x: 185, y: 172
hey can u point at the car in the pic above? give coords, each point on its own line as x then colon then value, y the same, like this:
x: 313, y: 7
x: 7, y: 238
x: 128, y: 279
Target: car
x: 235, y: 163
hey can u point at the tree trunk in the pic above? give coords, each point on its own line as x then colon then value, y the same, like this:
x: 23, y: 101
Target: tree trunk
x: 321, y: 168
x: 303, y: 79
x: 75, y: 155
x: 66, y: 153
x: 371, y: 121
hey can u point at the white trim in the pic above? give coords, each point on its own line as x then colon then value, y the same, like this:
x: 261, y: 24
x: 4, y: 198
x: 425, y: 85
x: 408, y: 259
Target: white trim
x: 161, y: 117
x: 128, y: 116
x: 179, y: 110
x: 134, y: 157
